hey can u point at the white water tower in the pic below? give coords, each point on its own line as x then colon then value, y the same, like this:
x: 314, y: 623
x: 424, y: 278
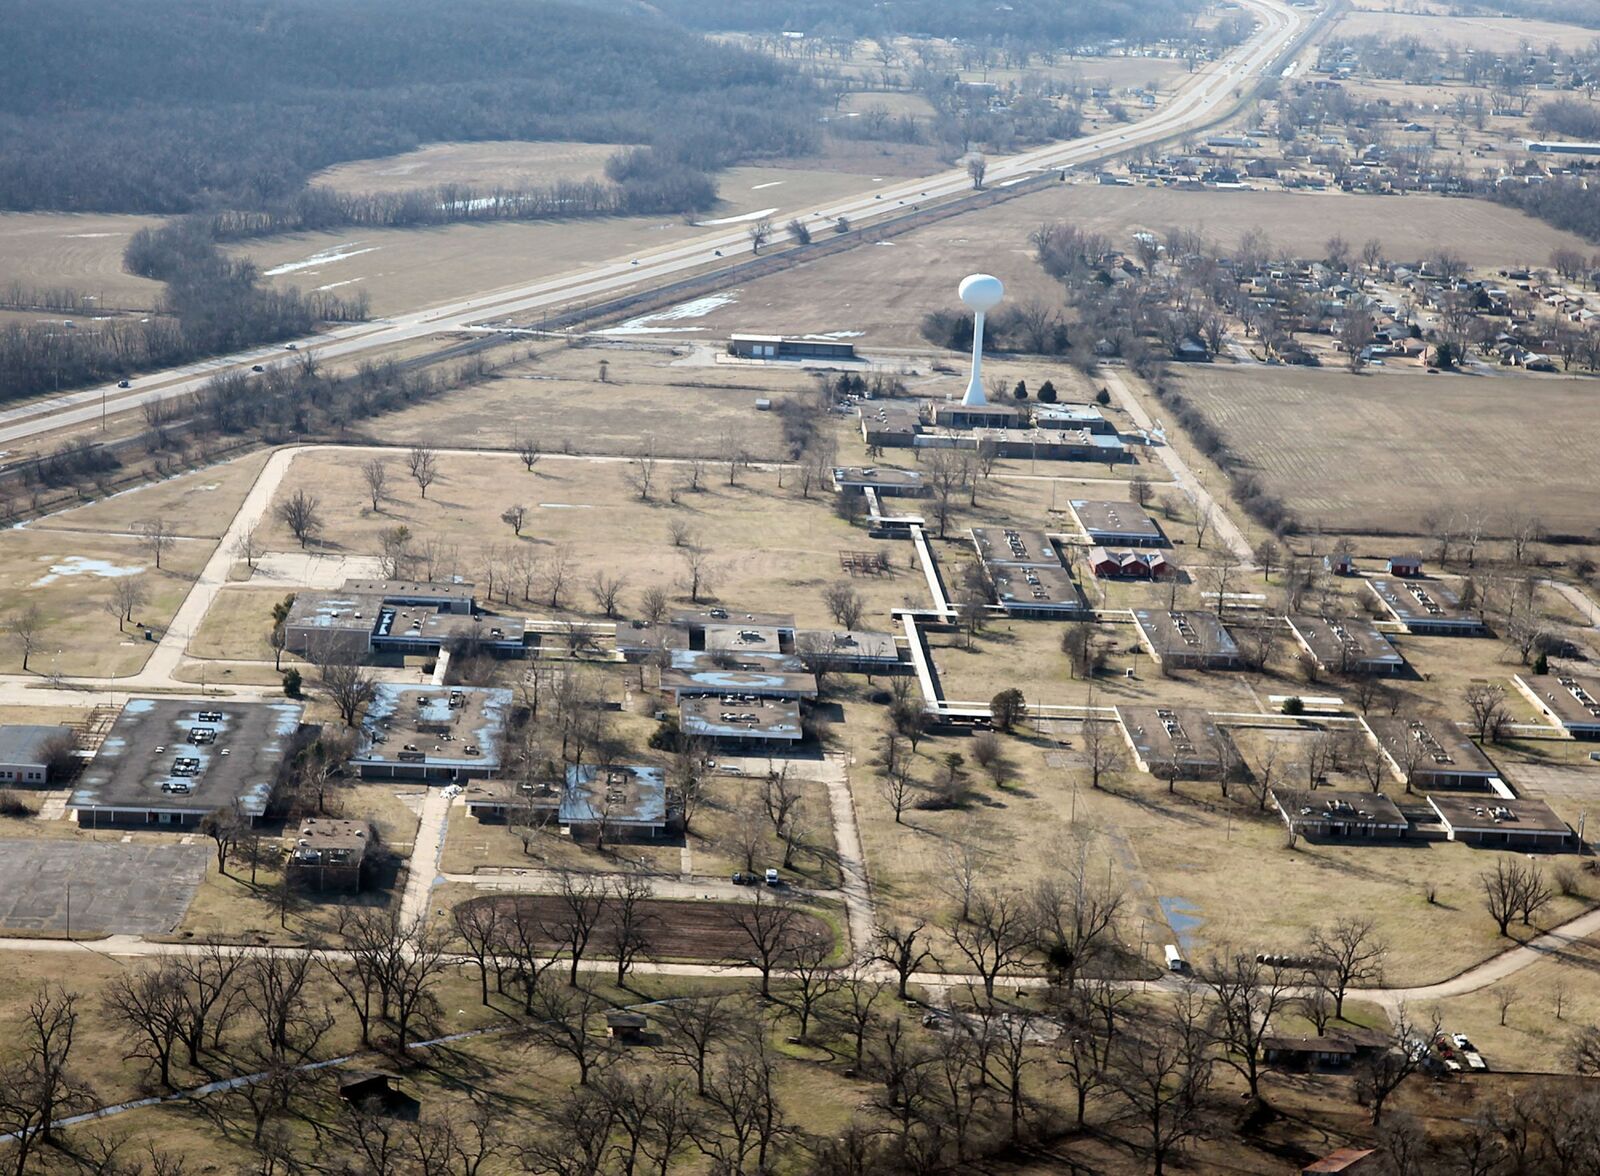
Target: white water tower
x: 981, y: 293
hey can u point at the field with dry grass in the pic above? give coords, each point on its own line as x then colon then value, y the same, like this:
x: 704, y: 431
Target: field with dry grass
x: 79, y: 251
x: 1465, y: 32
x: 509, y: 164
x: 1379, y: 453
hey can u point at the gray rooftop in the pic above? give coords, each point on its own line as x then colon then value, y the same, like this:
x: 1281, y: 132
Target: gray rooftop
x: 1442, y: 748
x: 434, y: 726
x: 632, y: 795
x: 1112, y: 521
x: 1184, y: 736
x: 711, y: 718
x: 1015, y: 546
x: 1572, y: 699
x: 1422, y: 602
x: 27, y: 743
x: 1185, y: 634
x: 1345, y: 643
x: 190, y: 757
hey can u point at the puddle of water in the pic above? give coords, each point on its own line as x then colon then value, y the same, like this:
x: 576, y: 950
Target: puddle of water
x: 77, y: 565
x: 1183, y: 916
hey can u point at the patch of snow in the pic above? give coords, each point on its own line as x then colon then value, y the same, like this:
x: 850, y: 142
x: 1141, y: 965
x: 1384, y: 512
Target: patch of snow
x: 322, y: 257
x: 77, y: 565
x: 648, y: 324
x: 827, y: 335
x: 736, y: 220
x: 768, y: 184
x: 336, y: 285
x: 89, y: 236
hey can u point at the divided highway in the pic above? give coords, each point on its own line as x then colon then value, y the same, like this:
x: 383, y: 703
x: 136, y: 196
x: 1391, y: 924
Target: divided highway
x: 1205, y: 96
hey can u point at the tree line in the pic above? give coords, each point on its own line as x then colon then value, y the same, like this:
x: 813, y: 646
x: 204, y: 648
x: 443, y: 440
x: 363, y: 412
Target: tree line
x: 184, y: 105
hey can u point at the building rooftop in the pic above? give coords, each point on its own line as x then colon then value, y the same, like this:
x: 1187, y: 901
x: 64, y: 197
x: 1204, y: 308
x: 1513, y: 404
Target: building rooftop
x: 1027, y: 587
x: 1114, y: 521
x: 738, y: 684
x: 411, y: 589
x: 1424, y: 602
x: 1052, y: 413
x: 1185, y: 736
x: 744, y: 638
x: 331, y: 841
x: 887, y: 476
x: 883, y: 417
x: 1494, y: 814
x: 767, y: 718
x: 1345, y: 643
x: 1015, y: 547
x: 1445, y: 749
x: 853, y: 644
x: 1573, y: 699
x: 436, y: 726
x: 421, y: 623
x: 700, y: 617
x: 631, y: 795
x: 29, y: 743
x: 695, y: 660
x: 169, y: 755
x: 341, y: 611
x: 1191, y: 633
x: 1370, y: 809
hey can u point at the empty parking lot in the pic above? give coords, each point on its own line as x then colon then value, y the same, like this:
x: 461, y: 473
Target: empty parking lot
x: 113, y: 888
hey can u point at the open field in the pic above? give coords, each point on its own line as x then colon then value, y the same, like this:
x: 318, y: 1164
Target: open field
x: 683, y: 930
x: 501, y: 164
x: 404, y: 269
x: 1375, y: 454
x: 200, y: 504
x: 80, y: 251
x: 237, y: 625
x: 1466, y: 32
x: 1536, y: 1033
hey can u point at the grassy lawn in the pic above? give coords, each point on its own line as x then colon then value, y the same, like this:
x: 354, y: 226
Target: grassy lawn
x: 237, y: 625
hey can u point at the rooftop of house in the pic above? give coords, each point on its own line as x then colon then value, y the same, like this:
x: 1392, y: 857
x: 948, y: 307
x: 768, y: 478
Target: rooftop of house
x: 331, y: 841
x: 1522, y: 814
x: 443, y: 726
x: 170, y: 755
x: 630, y: 794
x: 1371, y: 809
x: 411, y: 589
x: 30, y: 743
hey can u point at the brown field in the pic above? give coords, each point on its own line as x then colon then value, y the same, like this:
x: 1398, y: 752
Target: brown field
x: 685, y: 931
x: 404, y: 269
x: 1465, y: 32
x: 1372, y: 454
x: 81, y: 251
x: 502, y: 164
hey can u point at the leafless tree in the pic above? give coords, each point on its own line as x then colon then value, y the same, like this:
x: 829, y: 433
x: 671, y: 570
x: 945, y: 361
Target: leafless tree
x: 699, y: 573
x: 1247, y: 999
x: 561, y: 1020
x: 693, y: 1028
x: 997, y: 934
x: 515, y: 517
x: 582, y: 903
x: 844, y: 604
x: 904, y: 948
x: 375, y: 473
x: 1382, y: 1071
x: 654, y: 604
x: 1140, y: 490
x: 977, y: 168
x: 760, y: 233
x: 149, y: 1005
x: 1490, y: 715
x: 38, y: 1084
x: 812, y: 979
x: 423, y: 463
x: 477, y: 925
x: 631, y: 920
x: 1102, y: 750
x: 1075, y: 909
x: 1346, y: 954
x: 528, y: 451
x: 557, y: 572
x: 742, y: 1088
x: 641, y: 472
x: 301, y: 513
x: 606, y: 589
x: 768, y: 925
x: 1503, y: 890
x: 127, y: 594
x: 248, y: 548
x: 1162, y: 1070
x: 157, y: 536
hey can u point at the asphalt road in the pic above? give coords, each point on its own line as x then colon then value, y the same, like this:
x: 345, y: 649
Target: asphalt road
x: 1205, y: 96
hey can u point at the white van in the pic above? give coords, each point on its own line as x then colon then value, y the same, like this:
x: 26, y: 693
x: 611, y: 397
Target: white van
x: 1175, y: 960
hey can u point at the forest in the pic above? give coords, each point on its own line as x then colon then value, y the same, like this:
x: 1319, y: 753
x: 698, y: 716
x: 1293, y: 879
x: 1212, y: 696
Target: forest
x: 1565, y: 203
x: 172, y: 106
x: 1054, y: 23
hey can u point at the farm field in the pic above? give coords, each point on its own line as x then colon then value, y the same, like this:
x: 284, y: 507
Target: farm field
x: 506, y: 164
x: 78, y: 251
x: 1360, y: 453
x: 1466, y: 32
x: 403, y: 269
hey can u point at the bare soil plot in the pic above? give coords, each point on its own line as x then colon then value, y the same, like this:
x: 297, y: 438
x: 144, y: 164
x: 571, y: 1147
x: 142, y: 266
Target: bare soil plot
x: 503, y: 164
x: 403, y: 269
x: 1378, y: 454
x: 81, y: 251
x: 1466, y: 32
x: 69, y: 577
x: 768, y: 547
x: 684, y: 931
x: 112, y: 888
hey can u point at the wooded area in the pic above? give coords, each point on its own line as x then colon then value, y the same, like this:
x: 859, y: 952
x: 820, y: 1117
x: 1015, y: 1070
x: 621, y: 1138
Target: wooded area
x: 177, y: 105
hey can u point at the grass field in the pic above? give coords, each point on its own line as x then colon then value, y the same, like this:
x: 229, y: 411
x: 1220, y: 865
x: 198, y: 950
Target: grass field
x: 504, y: 164
x: 1364, y: 453
x: 80, y: 251
x: 1464, y: 32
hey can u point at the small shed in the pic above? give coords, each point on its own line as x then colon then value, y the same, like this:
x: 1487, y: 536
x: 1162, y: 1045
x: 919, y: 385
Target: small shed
x: 1339, y: 563
x: 1405, y: 565
x: 626, y: 1026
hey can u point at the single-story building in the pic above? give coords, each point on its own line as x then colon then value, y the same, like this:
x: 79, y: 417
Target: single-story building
x: 787, y: 347
x: 735, y: 686
x: 1186, y: 638
x: 1431, y: 609
x: 30, y: 751
x: 1337, y: 1047
x: 433, y: 733
x: 614, y: 803
x: 171, y: 762
x: 1326, y: 815
x: 1406, y: 566
x: 1116, y: 524
x: 1345, y: 645
x: 1523, y: 822
x: 1570, y: 701
x: 1344, y: 1161
x: 1014, y: 547
x: 1440, y: 754
x: 765, y: 723
x: 886, y: 481
x: 1128, y: 564
x: 1181, y: 743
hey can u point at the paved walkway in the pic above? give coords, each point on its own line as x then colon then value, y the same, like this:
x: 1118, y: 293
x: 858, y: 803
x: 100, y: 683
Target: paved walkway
x: 423, y: 872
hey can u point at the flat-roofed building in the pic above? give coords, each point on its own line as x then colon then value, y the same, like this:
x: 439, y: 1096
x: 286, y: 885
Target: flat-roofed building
x: 441, y: 596
x: 1523, y: 822
x: 1029, y: 591
x: 885, y: 481
x: 1345, y: 645
x: 1433, y: 752
x: 890, y: 424
x: 1570, y: 701
x: 766, y: 722
x: 1015, y: 547
x: 171, y: 762
x: 499, y: 799
x: 747, y: 638
x: 330, y: 853
x: 1052, y: 444
x: 789, y: 347
x: 736, y: 685
x: 397, y: 617
x: 1192, y: 639
x: 1117, y: 524
x: 432, y: 732
x: 615, y: 803
x: 955, y: 415
x: 1326, y: 815
x: 695, y: 660
x: 1179, y: 743
x: 1426, y: 607
x: 331, y: 624
x: 850, y: 651
x: 29, y: 752
x: 1073, y: 416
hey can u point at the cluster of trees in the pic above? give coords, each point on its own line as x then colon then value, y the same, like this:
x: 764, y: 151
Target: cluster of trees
x: 235, y: 105
x: 1565, y: 203
x: 1033, y: 326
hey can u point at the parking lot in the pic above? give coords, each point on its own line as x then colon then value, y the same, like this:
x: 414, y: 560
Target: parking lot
x: 113, y: 888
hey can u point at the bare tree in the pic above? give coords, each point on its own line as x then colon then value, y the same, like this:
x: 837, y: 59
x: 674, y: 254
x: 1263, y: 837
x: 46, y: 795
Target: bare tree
x: 1383, y: 1071
x: 844, y: 604
x: 423, y: 463
x: 348, y: 684
x: 1490, y: 715
x: 977, y: 169
x: 699, y: 574
x: 582, y: 901
x: 375, y: 473
x: 895, y: 786
x: 1102, y: 750
x: 149, y: 1003
x: 1248, y: 996
x: 557, y: 571
x: 654, y: 604
x: 301, y: 513
x: 248, y: 548
x: 693, y: 1028
x: 38, y: 1085
x: 760, y: 233
x: 996, y: 934
x: 515, y: 517
x: 1344, y: 955
x: 157, y: 536
x: 561, y: 1020
x: 127, y: 594
x: 528, y: 451
x: 812, y: 978
x: 641, y: 472
x: 1162, y: 1069
x: 477, y: 924
x: 632, y: 921
x: 1503, y: 889
x: 768, y: 924
x: 606, y: 589
x: 742, y: 1087
x: 904, y: 948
